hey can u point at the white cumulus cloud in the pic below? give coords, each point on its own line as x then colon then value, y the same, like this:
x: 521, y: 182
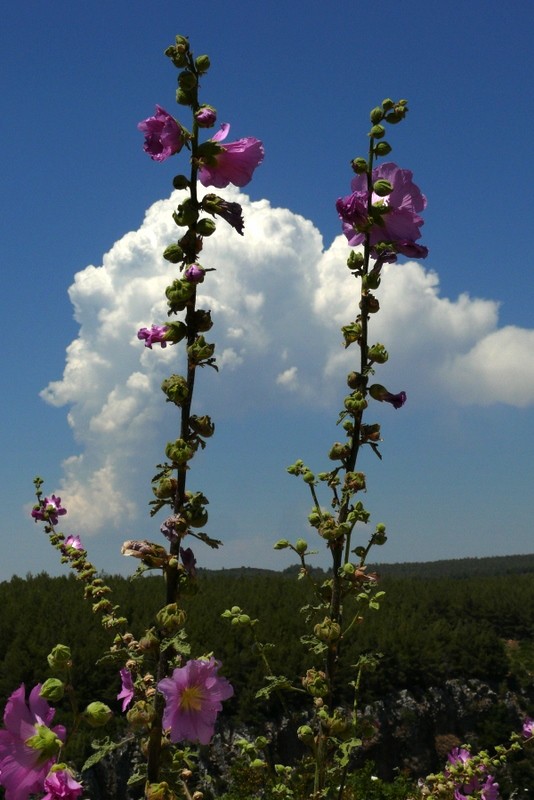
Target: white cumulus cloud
x: 278, y: 301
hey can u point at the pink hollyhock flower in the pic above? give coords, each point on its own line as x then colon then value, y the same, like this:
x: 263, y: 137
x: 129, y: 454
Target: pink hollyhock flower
x: 49, y: 510
x: 163, y: 135
x: 61, y: 785
x: 127, y: 690
x: 233, y: 163
x: 394, y: 218
x: 528, y: 728
x: 73, y: 541
x: 193, y: 699
x: 156, y: 335
x: 23, y: 768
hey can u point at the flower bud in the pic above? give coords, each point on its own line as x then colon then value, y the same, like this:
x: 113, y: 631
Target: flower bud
x: 186, y: 213
x: 179, y: 451
x: 308, y: 477
x: 378, y: 353
x: 355, y: 481
x: 377, y: 131
x: 141, y: 715
x: 60, y: 659
x: 176, y: 389
x: 355, y: 403
x: 281, y: 544
x: 376, y: 115
x: 354, y: 380
x: 194, y: 273
x: 202, y: 321
x: 178, y: 293
x: 206, y: 116
x: 173, y: 253
x: 170, y: 619
x: 202, y: 425
x: 301, y: 545
x: 382, y: 148
x: 97, y: 714
x: 359, y: 165
x: 315, y: 683
x: 200, y: 350
x: 52, y: 689
x: 165, y: 488
x: 187, y: 80
x: 339, y: 451
x: 202, y: 63
x: 355, y: 260
x: 205, y: 227
x: 159, y: 791
x: 305, y: 734
x: 382, y: 187
x: 180, y: 182
x: 327, y: 630
x: 351, y: 333
x: 176, y: 331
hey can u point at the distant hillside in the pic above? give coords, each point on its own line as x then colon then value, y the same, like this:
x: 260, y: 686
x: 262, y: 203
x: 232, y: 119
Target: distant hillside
x: 490, y: 567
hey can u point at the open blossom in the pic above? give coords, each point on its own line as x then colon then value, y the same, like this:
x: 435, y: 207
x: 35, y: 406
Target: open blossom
x: 528, y: 728
x: 74, y: 542
x: 163, y: 135
x: 24, y: 767
x: 481, y: 782
x: 193, y: 698
x: 156, y: 335
x: 49, y: 510
x: 234, y: 163
x: 127, y: 689
x: 394, y: 219
x: 61, y: 785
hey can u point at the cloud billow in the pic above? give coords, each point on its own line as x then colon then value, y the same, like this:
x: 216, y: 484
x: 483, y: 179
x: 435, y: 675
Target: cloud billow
x: 278, y: 300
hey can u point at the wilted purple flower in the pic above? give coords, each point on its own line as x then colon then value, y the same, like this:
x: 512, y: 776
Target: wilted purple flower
x: 379, y: 392
x: 127, y: 689
x: 232, y: 213
x: 189, y: 561
x: 528, y: 728
x: 206, y: 117
x: 194, y: 274
x: 394, y: 218
x: 156, y: 335
x: 23, y: 768
x: 193, y: 698
x: 168, y: 529
x: 61, y: 785
x: 49, y: 510
x: 234, y: 163
x: 163, y: 135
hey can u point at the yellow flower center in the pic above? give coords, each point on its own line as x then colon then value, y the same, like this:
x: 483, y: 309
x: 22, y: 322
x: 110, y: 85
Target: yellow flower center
x: 191, y: 699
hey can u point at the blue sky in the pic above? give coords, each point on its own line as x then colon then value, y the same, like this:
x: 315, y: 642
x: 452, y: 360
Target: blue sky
x: 77, y: 77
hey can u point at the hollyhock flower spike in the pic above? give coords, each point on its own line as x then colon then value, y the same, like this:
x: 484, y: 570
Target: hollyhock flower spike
x: 233, y: 162
x: 126, y: 693
x: 28, y: 747
x: 193, y: 698
x: 395, y: 216
x: 156, y: 335
x: 61, y: 785
x: 163, y: 135
x: 49, y: 510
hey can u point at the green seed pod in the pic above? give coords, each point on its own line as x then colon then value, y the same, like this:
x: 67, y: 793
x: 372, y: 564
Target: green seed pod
x: 97, y: 714
x: 359, y: 165
x: 173, y: 253
x: 382, y: 188
x: 202, y: 63
x: 205, y: 227
x: 377, y: 131
x: 382, y: 148
x: 376, y: 115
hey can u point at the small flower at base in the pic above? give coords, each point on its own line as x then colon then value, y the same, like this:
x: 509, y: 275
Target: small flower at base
x: 233, y: 162
x: 23, y: 767
x: 193, y: 698
x: 163, y: 135
x: 156, y: 335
